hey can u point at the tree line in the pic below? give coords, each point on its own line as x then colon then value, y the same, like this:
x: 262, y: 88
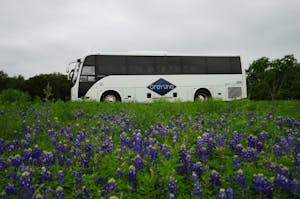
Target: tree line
x: 277, y: 79
x: 267, y: 79
x: 38, y: 86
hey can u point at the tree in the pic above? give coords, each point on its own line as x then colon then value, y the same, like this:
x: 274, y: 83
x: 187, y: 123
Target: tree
x: 59, y: 83
x: 277, y: 79
x: 3, y: 80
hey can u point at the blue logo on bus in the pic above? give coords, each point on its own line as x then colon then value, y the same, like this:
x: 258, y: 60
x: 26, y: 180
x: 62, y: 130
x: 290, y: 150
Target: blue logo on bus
x: 161, y: 87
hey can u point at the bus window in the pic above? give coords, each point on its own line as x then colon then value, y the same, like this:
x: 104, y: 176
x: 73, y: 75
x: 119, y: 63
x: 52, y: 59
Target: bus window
x: 140, y: 65
x: 87, y: 74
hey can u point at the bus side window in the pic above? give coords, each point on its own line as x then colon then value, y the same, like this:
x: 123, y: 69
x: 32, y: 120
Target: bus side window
x: 87, y: 74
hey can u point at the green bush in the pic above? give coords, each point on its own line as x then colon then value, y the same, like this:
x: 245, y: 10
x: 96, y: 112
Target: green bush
x: 12, y: 95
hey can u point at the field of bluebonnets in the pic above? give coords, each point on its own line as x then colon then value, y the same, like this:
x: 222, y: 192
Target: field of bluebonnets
x: 213, y: 149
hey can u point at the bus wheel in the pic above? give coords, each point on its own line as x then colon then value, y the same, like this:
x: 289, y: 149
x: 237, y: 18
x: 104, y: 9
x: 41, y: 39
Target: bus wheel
x: 202, y: 95
x: 110, y: 96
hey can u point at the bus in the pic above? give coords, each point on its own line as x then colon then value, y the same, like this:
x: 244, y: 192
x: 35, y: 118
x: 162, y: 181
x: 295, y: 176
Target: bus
x: 127, y: 77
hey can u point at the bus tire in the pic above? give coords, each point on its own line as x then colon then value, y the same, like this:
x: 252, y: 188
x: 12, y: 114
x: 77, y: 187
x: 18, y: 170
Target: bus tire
x: 110, y: 96
x: 202, y: 95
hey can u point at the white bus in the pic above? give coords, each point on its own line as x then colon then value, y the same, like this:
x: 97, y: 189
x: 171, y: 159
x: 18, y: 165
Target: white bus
x: 146, y: 77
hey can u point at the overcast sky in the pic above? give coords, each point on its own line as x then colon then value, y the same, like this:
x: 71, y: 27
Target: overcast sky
x: 43, y: 36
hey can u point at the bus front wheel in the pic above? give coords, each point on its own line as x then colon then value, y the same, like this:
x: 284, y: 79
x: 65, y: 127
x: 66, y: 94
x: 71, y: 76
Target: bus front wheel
x: 110, y: 96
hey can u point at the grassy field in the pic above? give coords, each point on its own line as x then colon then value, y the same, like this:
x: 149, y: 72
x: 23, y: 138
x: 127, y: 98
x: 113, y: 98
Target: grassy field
x: 212, y: 149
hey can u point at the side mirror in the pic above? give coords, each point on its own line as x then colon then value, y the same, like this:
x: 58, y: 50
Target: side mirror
x: 67, y: 70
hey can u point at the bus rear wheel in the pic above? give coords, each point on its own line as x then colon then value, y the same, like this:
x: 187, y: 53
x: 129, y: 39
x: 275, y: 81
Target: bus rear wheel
x: 202, y: 95
x: 110, y: 96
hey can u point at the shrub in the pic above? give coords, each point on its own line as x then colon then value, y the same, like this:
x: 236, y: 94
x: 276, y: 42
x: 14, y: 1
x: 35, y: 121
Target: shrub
x: 12, y: 95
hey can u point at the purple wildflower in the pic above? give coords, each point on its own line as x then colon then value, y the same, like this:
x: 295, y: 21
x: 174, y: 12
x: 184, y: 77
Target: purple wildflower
x: 16, y: 161
x: 226, y: 194
x: 119, y: 173
x: 10, y: 189
x: 138, y: 162
x: 282, y: 182
x: 249, y: 154
x: 26, y: 185
x: 47, y: 158
x: 60, y: 177
x: 152, y: 153
x: 197, y: 168
x: 59, y: 192
x: 110, y: 187
x: 78, y: 176
x: 215, y: 178
x: 45, y: 175
x: 240, y: 178
x: 172, y: 188
x: 132, y: 177
x: 85, y: 192
x: 262, y: 185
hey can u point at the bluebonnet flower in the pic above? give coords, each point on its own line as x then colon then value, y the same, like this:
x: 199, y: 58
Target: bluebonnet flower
x: 124, y: 141
x: 165, y: 151
x: 100, y: 180
x: 10, y: 189
x: 3, y: 164
x: 262, y: 137
x: 16, y: 161
x: 197, y: 168
x: 295, y: 186
x: 1, y: 146
x: 45, y: 175
x: 88, y: 148
x: 26, y: 185
x: 279, y: 121
x: 60, y: 177
x: 202, y: 153
x: 62, y: 147
x: 78, y: 177
x: 119, y: 173
x: 282, y: 170
x: 240, y: 178
x: 48, y: 124
x: 197, y: 188
x: 226, y: 194
x: 47, y: 158
x: 84, y: 161
x: 111, y: 187
x: 172, y: 196
x: 85, y: 192
x: 152, y: 153
x: 28, y: 138
x: 185, y: 160
x: 296, y: 162
x: 262, y: 185
x: 107, y: 146
x: 69, y: 162
x: 221, y: 139
x: 282, y: 182
x: 172, y: 188
x: 215, y: 179
x: 59, y: 192
x: 138, y: 162
x: 297, y: 146
x: 249, y: 154
x: 132, y: 177
x: 138, y: 143
x: 277, y: 150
